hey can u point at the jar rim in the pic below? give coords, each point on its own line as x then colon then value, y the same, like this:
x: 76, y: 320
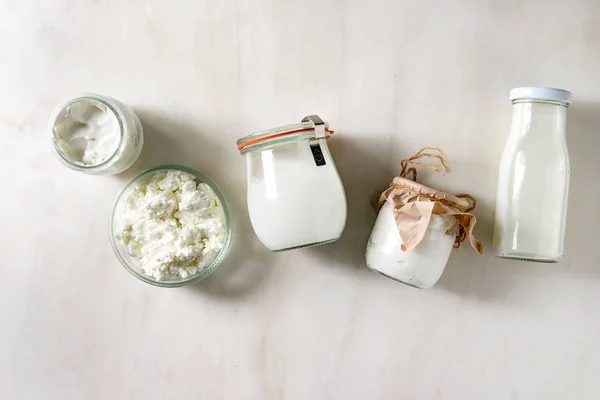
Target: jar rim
x: 293, y: 132
x: 547, y: 94
x: 79, y: 98
x: 540, y: 101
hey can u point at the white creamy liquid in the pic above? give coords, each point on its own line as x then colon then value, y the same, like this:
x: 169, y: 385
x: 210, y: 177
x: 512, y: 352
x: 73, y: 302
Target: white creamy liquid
x: 533, y: 185
x: 292, y: 202
x: 87, y: 132
x: 422, y: 266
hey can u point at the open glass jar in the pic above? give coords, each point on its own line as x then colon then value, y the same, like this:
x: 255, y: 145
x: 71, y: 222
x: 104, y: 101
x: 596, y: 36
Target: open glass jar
x: 295, y: 194
x: 95, y: 134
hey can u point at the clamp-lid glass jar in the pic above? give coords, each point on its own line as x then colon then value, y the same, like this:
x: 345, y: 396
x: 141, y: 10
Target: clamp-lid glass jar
x: 295, y: 194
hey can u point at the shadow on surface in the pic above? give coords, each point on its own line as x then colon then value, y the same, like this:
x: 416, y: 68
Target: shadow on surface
x: 364, y: 170
x: 583, y: 218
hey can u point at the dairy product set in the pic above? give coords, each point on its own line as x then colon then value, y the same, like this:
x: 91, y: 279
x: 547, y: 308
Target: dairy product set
x: 170, y: 225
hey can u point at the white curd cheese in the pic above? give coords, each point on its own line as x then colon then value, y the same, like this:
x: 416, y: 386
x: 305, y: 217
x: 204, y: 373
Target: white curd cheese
x: 173, y: 225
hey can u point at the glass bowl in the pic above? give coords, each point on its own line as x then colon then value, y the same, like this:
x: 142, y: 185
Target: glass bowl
x: 131, y: 264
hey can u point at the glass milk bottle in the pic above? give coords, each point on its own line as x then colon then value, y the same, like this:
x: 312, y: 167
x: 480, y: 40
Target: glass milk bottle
x: 533, y: 182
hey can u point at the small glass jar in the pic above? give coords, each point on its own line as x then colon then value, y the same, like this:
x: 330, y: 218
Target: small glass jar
x: 96, y: 134
x: 533, y: 183
x: 420, y: 267
x: 295, y: 194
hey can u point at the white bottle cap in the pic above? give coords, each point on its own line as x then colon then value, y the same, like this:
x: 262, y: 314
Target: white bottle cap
x: 541, y: 93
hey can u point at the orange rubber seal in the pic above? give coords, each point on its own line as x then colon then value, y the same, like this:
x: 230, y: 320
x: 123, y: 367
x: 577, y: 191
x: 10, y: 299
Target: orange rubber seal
x: 276, y: 135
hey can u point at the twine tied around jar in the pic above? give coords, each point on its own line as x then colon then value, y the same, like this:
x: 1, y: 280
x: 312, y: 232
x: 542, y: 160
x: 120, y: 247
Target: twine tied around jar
x: 414, y: 203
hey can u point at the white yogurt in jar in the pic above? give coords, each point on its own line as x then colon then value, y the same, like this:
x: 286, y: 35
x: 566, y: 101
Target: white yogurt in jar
x: 87, y: 132
x: 420, y: 267
x: 96, y: 134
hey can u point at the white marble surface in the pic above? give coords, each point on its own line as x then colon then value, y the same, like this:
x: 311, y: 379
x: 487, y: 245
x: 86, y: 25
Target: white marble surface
x: 391, y: 76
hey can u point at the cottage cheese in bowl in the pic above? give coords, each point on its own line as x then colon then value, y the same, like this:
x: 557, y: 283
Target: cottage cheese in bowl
x: 170, y: 226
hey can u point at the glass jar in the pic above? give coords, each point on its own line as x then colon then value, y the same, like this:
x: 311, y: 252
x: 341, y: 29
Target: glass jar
x: 420, y: 267
x: 96, y: 134
x: 533, y: 181
x: 295, y: 194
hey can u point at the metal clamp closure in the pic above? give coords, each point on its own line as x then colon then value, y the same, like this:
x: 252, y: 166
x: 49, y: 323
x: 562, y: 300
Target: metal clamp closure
x: 318, y: 125
x: 315, y: 148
